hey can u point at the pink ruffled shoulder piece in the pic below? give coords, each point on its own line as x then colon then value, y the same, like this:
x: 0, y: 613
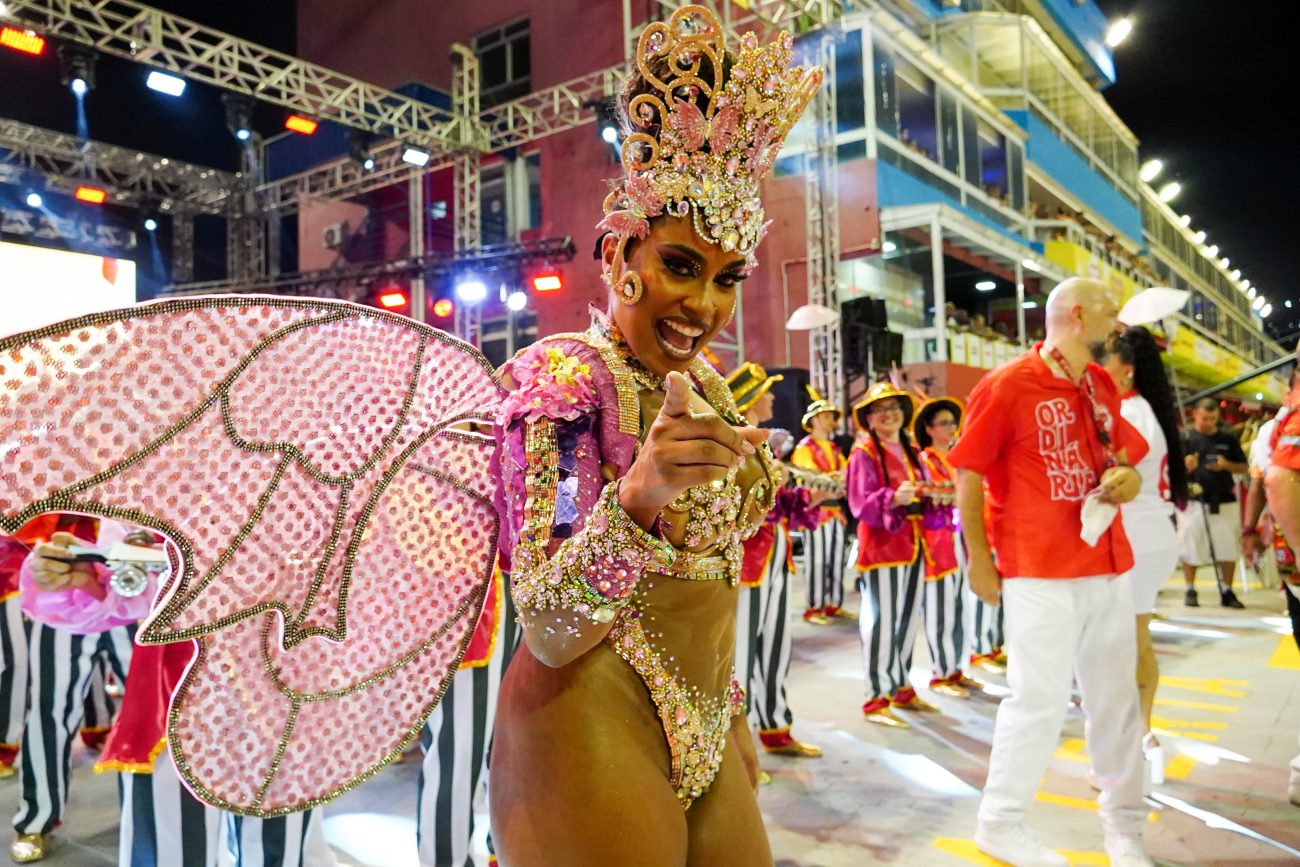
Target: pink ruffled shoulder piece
x: 329, y: 502
x: 78, y: 611
x: 560, y: 378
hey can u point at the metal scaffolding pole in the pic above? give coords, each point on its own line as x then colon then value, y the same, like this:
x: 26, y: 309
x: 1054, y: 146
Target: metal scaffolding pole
x: 821, y: 197
x: 468, y: 221
x: 182, y: 248
x: 416, y: 213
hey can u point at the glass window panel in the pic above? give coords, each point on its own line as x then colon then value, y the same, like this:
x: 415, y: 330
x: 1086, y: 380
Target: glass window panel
x: 916, y: 109
x: 885, y: 93
x: 949, y: 133
x: 850, y: 95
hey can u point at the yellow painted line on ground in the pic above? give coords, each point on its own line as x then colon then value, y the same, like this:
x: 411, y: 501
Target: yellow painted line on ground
x: 1287, y: 654
x: 1067, y: 801
x: 1179, y: 767
x: 1213, y: 686
x: 1073, y: 750
x: 1171, y: 724
x: 1198, y: 705
x: 966, y: 851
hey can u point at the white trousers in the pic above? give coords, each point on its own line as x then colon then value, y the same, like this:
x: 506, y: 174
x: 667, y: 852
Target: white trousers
x: 1055, y: 627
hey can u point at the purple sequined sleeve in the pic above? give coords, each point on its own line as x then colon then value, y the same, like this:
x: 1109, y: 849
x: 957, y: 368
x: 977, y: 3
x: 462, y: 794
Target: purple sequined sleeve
x: 869, y: 499
x: 795, y: 505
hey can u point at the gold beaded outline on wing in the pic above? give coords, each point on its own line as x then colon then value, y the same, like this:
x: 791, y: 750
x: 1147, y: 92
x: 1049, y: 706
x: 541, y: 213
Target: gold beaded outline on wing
x: 181, y: 591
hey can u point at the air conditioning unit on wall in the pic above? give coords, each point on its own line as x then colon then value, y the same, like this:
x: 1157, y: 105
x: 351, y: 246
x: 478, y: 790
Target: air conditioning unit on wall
x: 334, y: 236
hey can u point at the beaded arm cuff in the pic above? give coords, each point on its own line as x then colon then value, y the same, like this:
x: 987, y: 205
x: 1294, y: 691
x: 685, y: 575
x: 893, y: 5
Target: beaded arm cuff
x: 594, y: 571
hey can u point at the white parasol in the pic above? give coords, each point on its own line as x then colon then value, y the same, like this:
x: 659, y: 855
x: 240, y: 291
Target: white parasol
x: 812, y: 316
x: 1152, y: 305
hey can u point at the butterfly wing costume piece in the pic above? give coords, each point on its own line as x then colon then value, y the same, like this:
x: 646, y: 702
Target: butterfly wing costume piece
x: 316, y: 468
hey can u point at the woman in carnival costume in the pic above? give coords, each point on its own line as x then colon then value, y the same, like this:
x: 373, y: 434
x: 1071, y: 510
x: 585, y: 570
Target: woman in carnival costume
x: 897, y: 515
x: 630, y: 483
x: 320, y: 471
x: 935, y: 429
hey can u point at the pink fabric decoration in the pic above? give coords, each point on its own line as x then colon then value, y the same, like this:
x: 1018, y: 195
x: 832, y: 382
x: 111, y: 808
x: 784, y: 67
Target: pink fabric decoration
x: 549, y: 383
x: 332, y: 515
x: 78, y: 611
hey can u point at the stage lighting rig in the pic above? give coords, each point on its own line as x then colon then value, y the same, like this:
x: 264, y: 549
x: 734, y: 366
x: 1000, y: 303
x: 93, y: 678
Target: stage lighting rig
x: 239, y: 115
x: 78, y: 68
x: 359, y: 145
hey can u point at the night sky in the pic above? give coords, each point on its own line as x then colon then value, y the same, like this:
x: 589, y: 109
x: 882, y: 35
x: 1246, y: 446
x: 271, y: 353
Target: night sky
x: 1209, y: 86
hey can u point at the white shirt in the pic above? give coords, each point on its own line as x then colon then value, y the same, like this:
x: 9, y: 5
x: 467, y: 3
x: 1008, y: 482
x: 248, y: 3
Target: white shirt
x: 1148, y: 516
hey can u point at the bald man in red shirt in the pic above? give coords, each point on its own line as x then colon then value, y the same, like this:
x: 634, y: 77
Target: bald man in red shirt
x: 1045, y: 432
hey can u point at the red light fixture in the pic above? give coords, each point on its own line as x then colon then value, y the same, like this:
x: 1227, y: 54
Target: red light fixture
x: 22, y: 40
x: 443, y: 308
x: 299, y: 124
x: 93, y: 195
x: 392, y: 299
x: 548, y: 282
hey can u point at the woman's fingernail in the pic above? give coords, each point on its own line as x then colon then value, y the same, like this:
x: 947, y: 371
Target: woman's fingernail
x: 747, y: 447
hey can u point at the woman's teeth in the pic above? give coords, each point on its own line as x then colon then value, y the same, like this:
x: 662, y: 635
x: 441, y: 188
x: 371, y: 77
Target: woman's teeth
x: 678, y: 339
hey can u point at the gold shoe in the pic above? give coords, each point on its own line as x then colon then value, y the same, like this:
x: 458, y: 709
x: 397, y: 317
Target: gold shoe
x: 992, y: 666
x: 842, y: 614
x: 970, y: 683
x: 27, y: 848
x: 6, y: 771
x: 764, y: 778
x: 917, y: 703
x: 950, y: 689
x: 817, y: 619
x: 886, y: 717
x: 795, y: 748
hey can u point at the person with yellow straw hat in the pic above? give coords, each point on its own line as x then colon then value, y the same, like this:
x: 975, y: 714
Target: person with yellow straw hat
x: 823, y: 546
x: 935, y: 429
x: 762, y: 634
x: 890, y: 493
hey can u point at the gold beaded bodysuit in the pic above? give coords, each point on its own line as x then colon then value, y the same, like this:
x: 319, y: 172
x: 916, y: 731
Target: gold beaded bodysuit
x: 692, y: 562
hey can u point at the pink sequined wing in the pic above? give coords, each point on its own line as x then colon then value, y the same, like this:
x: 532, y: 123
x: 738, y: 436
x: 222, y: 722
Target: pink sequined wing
x: 317, y: 467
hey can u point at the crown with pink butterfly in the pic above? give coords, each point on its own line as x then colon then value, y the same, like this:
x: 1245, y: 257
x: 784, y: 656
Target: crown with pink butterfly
x: 706, y: 162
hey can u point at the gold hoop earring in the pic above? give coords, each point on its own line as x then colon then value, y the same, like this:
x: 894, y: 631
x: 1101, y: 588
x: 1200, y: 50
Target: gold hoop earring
x: 630, y: 288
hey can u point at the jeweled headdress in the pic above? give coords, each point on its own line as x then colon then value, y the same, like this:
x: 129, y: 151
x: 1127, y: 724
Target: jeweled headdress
x: 681, y: 159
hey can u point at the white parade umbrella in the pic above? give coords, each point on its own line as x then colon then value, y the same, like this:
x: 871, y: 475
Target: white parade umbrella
x: 812, y: 316
x: 1152, y: 305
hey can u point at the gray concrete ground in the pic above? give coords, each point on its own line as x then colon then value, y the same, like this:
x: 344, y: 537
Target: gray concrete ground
x: 1228, y: 710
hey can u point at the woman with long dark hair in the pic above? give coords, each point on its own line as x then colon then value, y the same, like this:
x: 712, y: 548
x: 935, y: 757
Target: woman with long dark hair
x: 886, y: 483
x: 1134, y: 363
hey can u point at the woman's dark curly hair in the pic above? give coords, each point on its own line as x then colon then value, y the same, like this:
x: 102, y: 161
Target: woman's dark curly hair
x: 1137, y: 347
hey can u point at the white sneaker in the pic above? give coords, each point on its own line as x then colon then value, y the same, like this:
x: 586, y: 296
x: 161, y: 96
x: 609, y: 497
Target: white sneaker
x: 1127, y: 851
x: 1010, y: 842
x: 1293, y: 792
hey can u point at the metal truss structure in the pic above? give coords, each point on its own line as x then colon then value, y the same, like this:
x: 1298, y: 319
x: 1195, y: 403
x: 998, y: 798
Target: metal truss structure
x: 455, y: 139
x: 134, y: 178
x: 131, y: 30
x: 821, y: 198
x: 355, y: 282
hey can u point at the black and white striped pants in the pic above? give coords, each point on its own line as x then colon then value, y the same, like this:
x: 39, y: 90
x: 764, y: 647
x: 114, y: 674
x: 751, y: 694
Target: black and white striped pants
x: 891, y: 601
x: 61, y: 666
x: 983, y: 622
x: 945, y: 629
x: 15, y: 688
x: 164, y: 825
x: 15, y: 630
x: 823, y: 557
x: 763, y: 642
x: 457, y: 739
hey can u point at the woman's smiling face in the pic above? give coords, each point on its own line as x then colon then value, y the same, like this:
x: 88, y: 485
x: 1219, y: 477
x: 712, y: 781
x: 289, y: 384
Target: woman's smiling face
x: 690, y: 294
